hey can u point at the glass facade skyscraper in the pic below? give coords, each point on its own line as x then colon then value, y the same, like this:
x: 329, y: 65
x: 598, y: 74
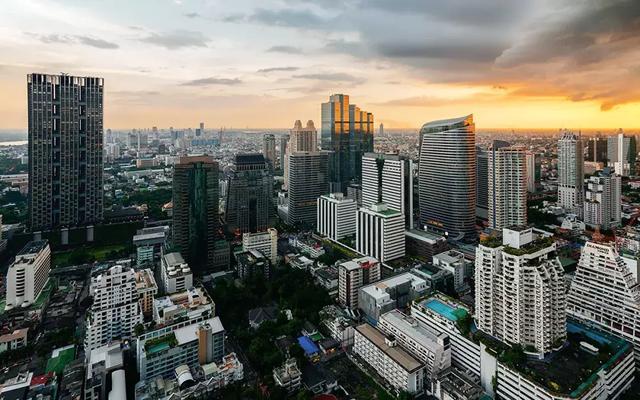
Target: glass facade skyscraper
x: 195, y: 211
x: 447, y: 177
x: 65, y: 146
x: 347, y: 131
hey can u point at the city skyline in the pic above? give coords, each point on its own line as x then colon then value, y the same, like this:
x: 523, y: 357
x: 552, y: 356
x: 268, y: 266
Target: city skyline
x: 190, y: 61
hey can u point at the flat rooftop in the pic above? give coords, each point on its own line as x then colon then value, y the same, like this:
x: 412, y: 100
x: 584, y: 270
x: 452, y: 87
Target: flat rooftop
x: 190, y: 332
x: 424, y: 235
x: 33, y: 247
x: 379, y: 289
x: 445, y: 310
x: 397, y: 354
x: 410, y: 327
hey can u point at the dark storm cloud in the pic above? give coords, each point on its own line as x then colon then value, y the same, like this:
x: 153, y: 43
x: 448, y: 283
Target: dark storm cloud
x: 213, y: 81
x: 177, y: 39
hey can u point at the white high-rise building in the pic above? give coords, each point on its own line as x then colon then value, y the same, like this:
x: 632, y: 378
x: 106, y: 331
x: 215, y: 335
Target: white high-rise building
x: 507, y: 187
x: 354, y: 274
x: 264, y: 242
x: 570, y: 172
x: 28, y: 274
x: 387, y: 178
x: 604, y: 292
x: 336, y: 216
x: 602, y: 203
x: 380, y: 232
x: 300, y: 139
x: 621, y: 153
x: 520, y: 290
x: 175, y: 274
x: 115, y: 310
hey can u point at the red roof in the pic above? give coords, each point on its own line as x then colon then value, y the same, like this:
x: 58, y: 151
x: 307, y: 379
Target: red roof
x: 41, y: 379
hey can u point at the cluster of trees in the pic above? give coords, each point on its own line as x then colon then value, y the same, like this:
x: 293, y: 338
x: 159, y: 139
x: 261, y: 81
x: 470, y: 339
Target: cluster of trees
x: 153, y: 199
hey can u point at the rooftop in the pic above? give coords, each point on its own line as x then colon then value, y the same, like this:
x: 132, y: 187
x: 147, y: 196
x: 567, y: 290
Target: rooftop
x: 424, y: 235
x: 397, y: 354
x: 446, y: 124
x: 411, y: 328
x: 446, y: 310
x: 33, y: 247
x: 379, y: 289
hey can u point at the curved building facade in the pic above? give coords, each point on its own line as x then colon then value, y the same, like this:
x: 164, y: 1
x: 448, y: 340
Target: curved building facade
x: 447, y: 177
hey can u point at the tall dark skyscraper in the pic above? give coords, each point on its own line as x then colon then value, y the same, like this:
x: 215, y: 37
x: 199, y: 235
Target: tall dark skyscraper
x: 308, y: 172
x: 249, y: 206
x: 347, y: 131
x: 65, y: 137
x: 195, y: 211
x: 447, y: 177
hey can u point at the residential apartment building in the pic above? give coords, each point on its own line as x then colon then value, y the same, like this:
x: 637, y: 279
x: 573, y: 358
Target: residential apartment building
x: 264, y: 242
x: 570, y: 172
x: 115, y: 311
x: 354, y: 274
x: 621, y: 153
x: 380, y: 232
x: 28, y: 274
x: 393, y: 293
x: 147, y: 289
x: 336, y: 217
x: 175, y: 274
x: 602, y: 201
x: 520, y: 290
x: 507, y: 187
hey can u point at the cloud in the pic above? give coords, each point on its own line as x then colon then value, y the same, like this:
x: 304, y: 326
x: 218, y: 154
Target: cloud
x: 192, y: 15
x: 332, y: 76
x: 286, y: 17
x: 284, y: 49
x: 177, y: 39
x: 212, y: 81
x: 74, y: 39
x: 277, y: 69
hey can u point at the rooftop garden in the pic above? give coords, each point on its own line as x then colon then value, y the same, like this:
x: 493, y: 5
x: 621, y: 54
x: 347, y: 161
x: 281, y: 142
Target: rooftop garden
x: 491, y: 241
x: 530, y: 248
x: 160, y: 343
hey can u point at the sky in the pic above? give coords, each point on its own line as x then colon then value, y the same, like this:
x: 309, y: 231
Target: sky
x: 514, y: 64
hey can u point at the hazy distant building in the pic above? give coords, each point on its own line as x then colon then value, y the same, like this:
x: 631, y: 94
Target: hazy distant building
x: 387, y: 178
x: 195, y: 211
x: 65, y: 146
x: 533, y: 171
x: 602, y: 203
x: 597, y: 149
x: 570, y: 173
x: 507, y: 187
x: 249, y: 206
x: 282, y: 154
x: 347, y: 131
x: 621, y: 151
x: 269, y: 148
x: 308, y: 173
x: 447, y: 177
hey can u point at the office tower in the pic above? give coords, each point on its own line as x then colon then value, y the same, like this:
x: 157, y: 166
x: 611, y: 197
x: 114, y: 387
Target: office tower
x: 532, y: 163
x: 175, y: 274
x: 354, y: 274
x: 265, y: 242
x: 597, y: 149
x: 308, y: 173
x: 520, y: 290
x: 602, y: 203
x: 447, y: 177
x: 347, y: 131
x: 284, y: 142
x: 380, y: 232
x: 507, y: 187
x: 65, y: 150
x: 28, y: 274
x: 336, y: 217
x: 570, y: 172
x: 249, y: 205
x: 195, y: 211
x: 605, y: 293
x: 621, y: 152
x: 381, y: 130
x: 387, y: 178
x: 269, y: 148
x: 115, y: 310
x: 300, y: 139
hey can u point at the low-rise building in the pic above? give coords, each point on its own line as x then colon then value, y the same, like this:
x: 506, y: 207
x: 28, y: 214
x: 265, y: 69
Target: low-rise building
x: 454, y: 262
x: 264, y: 242
x: 386, y: 295
x: 14, y: 340
x: 192, y: 304
x: 253, y: 264
x: 103, y: 364
x: 401, y: 370
x: 308, y: 246
x: 147, y: 290
x: 28, y: 274
x: 354, y: 274
x: 288, y: 375
x: 175, y: 273
x: 424, y: 244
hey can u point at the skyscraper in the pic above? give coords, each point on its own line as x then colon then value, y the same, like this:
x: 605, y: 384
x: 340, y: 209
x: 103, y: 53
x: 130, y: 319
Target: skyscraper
x: 520, y: 290
x: 507, y: 187
x: 380, y: 232
x: 282, y: 154
x: 604, y: 292
x: 307, y: 181
x: 621, y: 151
x: 533, y: 171
x: 447, y: 177
x: 387, y: 178
x: 597, y: 149
x: 249, y: 205
x: 602, y: 203
x: 347, y: 131
x: 65, y: 139
x: 336, y: 218
x: 570, y: 172
x: 195, y: 211
x: 269, y: 148
x: 300, y: 139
